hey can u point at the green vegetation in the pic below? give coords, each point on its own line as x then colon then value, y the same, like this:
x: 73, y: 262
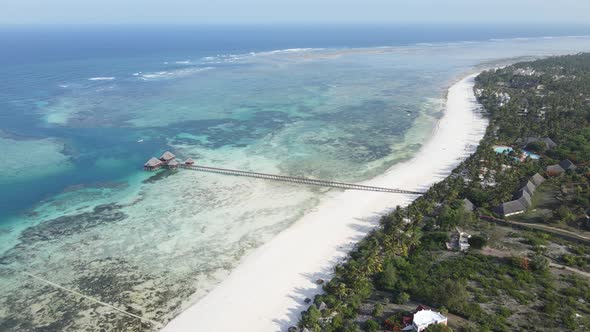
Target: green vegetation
x: 404, y: 261
x: 477, y: 241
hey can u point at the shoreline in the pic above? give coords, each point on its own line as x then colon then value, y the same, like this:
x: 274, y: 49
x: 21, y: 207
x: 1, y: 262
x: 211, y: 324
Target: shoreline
x: 266, y: 291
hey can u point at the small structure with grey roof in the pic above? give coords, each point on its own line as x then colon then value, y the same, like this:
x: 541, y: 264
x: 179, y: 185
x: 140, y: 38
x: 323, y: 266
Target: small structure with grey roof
x: 189, y: 162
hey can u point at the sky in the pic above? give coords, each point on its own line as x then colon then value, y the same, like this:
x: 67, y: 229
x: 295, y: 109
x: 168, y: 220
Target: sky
x: 292, y: 11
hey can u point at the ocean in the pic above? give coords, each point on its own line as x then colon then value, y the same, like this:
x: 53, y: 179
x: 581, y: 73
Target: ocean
x: 82, y: 108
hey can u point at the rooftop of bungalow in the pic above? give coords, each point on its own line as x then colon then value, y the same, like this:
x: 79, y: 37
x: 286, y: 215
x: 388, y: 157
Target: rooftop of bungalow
x: 522, y: 199
x: 168, y: 159
x: 562, y: 167
x: 153, y: 162
x: 167, y: 156
x: 549, y: 143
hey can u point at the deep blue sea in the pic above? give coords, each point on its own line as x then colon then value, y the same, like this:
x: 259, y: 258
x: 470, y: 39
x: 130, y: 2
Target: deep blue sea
x: 83, y: 107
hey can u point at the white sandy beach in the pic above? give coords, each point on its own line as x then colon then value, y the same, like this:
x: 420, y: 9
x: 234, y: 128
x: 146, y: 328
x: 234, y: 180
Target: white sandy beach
x: 266, y: 292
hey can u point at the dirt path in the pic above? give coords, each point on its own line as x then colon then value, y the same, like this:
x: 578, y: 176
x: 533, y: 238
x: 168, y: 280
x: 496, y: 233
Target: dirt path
x: 571, y: 269
x: 553, y: 230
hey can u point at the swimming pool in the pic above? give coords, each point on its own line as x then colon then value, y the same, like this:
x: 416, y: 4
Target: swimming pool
x: 507, y: 149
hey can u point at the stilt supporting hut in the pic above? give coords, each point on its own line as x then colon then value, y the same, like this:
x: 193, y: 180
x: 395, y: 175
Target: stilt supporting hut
x: 172, y: 164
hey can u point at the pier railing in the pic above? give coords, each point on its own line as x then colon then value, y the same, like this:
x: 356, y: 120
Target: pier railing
x: 299, y: 180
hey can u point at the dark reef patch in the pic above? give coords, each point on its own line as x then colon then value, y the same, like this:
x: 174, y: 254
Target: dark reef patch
x: 157, y: 177
x: 73, y: 224
x: 36, y: 306
x: 232, y: 132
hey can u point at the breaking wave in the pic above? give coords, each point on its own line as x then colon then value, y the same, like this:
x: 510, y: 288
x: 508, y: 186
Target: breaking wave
x: 101, y: 78
x: 233, y: 58
x: 170, y: 74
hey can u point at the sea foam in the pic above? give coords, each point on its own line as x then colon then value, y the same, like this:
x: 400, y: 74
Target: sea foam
x: 170, y: 74
x: 101, y: 78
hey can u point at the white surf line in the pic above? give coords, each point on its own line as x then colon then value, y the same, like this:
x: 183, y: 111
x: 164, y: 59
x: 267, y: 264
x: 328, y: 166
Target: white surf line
x: 158, y: 324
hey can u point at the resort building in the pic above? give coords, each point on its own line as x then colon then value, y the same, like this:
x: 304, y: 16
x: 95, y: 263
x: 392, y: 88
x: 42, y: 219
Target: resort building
x: 549, y: 143
x: 509, y: 209
x: 537, y: 179
x: 167, y: 159
x: 172, y: 164
x: 189, y: 162
x: 522, y: 200
x: 167, y: 156
x: 567, y: 165
x: 562, y: 167
x: 152, y: 164
x: 423, y: 318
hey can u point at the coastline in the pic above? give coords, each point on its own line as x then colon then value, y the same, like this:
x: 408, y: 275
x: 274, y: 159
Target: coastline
x: 266, y: 291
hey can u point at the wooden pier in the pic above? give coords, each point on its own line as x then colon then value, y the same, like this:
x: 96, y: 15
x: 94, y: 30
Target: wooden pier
x: 299, y: 180
x: 167, y: 160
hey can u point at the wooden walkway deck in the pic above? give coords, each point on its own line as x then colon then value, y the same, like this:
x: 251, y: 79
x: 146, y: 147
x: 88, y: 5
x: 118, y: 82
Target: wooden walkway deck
x: 299, y: 180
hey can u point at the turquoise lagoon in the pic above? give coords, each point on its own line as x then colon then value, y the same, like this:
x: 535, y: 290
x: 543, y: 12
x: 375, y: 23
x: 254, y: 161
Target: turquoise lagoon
x: 78, y: 210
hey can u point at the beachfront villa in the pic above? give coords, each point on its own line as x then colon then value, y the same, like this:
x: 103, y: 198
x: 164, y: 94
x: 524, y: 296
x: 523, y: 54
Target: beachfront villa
x: 522, y: 200
x: 423, y: 318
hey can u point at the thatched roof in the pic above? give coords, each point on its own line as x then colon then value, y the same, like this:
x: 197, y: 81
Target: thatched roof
x: 167, y: 156
x: 529, y: 187
x: 173, y: 162
x: 555, y: 169
x: 153, y: 162
x: 567, y: 165
x: 537, y: 179
x: 189, y: 161
x: 524, y: 198
x: 509, y: 208
x: 550, y: 143
x: 467, y: 205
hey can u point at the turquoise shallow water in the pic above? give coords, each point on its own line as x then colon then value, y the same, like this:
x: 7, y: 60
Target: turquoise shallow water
x: 507, y: 149
x: 80, y: 212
